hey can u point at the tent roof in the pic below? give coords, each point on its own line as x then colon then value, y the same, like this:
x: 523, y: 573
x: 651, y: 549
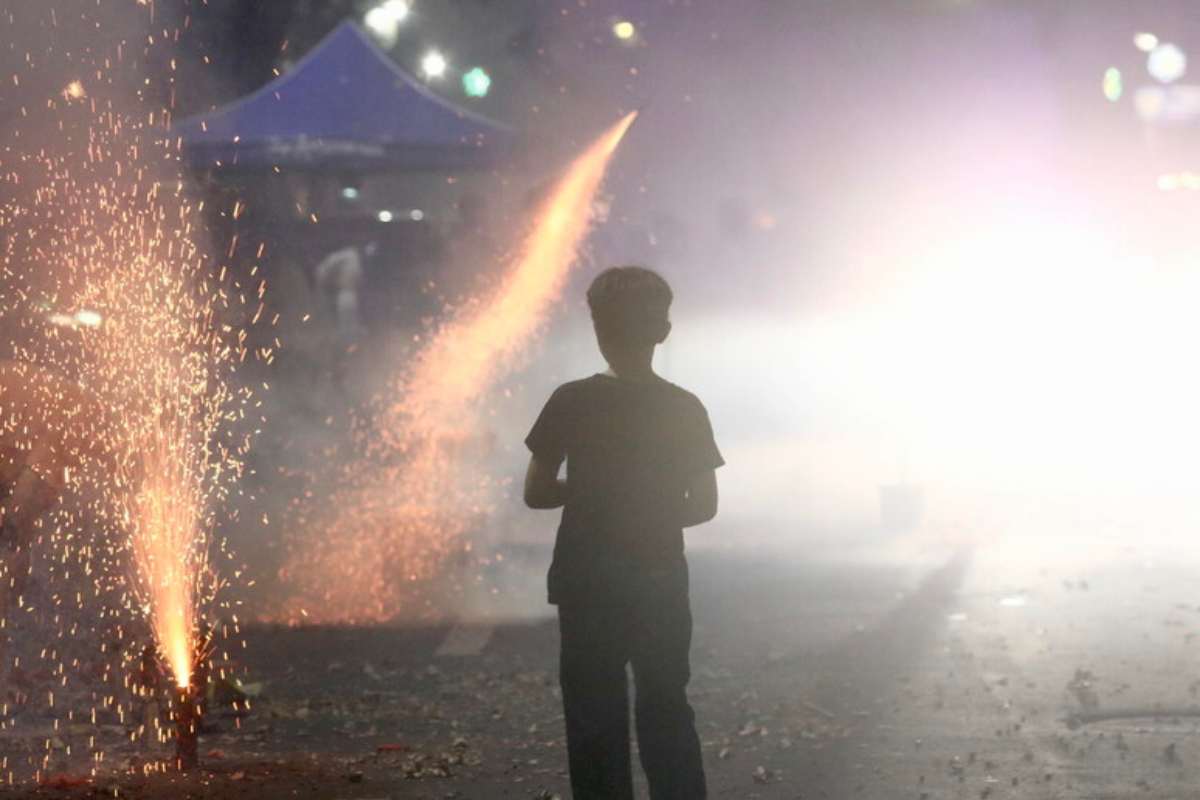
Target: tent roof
x: 345, y: 105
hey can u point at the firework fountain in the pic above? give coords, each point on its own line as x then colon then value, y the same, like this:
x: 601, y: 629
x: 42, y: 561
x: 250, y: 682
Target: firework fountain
x: 402, y: 509
x: 119, y: 303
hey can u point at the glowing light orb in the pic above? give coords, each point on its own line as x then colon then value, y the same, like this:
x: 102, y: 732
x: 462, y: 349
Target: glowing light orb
x: 476, y: 82
x: 1146, y: 42
x: 385, y: 216
x: 350, y: 193
x: 1167, y: 63
x: 385, y: 20
x: 74, y: 91
x: 1114, y: 85
x: 624, y: 30
x: 433, y: 64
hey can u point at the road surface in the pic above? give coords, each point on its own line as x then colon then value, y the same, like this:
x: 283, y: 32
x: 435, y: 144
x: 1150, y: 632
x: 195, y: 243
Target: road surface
x: 891, y: 670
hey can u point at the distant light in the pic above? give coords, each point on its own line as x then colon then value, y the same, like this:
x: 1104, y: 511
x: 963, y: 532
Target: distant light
x: 1150, y: 103
x: 1174, y: 104
x: 350, y: 193
x: 765, y: 221
x: 384, y: 20
x: 476, y: 82
x: 84, y: 318
x: 397, y: 8
x: 1114, y: 85
x: 1146, y: 42
x: 74, y: 91
x: 416, y: 215
x: 385, y: 216
x: 1174, y: 181
x: 433, y: 64
x: 624, y: 30
x: 1167, y: 63
x: 377, y: 21
x: 88, y: 318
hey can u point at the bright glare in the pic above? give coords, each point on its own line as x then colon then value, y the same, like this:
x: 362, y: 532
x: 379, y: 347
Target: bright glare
x: 624, y: 30
x: 386, y: 216
x: 384, y: 20
x: 433, y: 64
x: 1167, y: 63
x: 1146, y: 42
x: 84, y: 318
x: 1011, y: 342
x: 416, y: 215
x: 88, y: 318
x: 350, y: 193
x: 1174, y: 181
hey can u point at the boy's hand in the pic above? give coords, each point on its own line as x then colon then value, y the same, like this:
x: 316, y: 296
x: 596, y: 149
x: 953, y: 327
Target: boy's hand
x: 543, y: 488
x: 700, y: 502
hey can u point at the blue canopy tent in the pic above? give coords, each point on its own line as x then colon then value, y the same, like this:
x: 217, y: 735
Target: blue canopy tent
x: 346, y: 106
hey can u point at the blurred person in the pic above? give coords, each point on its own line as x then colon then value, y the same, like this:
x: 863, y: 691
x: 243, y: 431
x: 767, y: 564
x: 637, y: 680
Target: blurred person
x: 640, y: 467
x: 339, y: 279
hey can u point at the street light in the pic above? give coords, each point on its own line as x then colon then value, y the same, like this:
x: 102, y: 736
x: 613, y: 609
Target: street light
x: 433, y: 64
x: 1146, y: 42
x: 624, y: 30
x: 384, y: 20
x: 1167, y: 63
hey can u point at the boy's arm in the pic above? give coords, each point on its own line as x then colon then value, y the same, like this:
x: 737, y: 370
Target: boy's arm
x: 700, y: 502
x: 543, y: 487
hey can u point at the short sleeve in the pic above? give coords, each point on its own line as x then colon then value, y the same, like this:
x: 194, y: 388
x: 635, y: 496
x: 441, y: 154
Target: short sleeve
x: 702, y: 451
x: 547, y: 439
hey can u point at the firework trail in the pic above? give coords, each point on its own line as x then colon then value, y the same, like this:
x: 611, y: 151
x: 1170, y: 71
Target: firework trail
x: 406, y: 506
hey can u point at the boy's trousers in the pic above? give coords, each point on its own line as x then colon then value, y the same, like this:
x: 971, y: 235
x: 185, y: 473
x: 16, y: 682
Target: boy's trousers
x: 651, y: 631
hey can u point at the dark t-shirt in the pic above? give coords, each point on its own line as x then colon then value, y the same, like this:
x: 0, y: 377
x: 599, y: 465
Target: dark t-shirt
x: 630, y: 449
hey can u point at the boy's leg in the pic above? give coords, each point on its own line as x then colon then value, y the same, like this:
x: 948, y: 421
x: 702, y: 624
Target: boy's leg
x: 595, y: 702
x: 666, y: 724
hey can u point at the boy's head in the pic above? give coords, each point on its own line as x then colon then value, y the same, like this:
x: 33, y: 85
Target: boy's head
x: 630, y: 309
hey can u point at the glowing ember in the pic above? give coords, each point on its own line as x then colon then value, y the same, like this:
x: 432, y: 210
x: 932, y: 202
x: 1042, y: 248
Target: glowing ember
x: 420, y: 490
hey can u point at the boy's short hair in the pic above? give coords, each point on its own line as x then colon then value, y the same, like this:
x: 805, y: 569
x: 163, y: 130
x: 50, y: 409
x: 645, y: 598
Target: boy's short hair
x: 631, y: 305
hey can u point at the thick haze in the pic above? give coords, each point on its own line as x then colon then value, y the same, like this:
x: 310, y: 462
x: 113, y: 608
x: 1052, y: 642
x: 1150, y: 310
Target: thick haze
x: 918, y: 248
x: 910, y: 244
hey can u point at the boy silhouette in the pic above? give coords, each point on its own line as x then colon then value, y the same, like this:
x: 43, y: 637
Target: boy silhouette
x: 641, y: 464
